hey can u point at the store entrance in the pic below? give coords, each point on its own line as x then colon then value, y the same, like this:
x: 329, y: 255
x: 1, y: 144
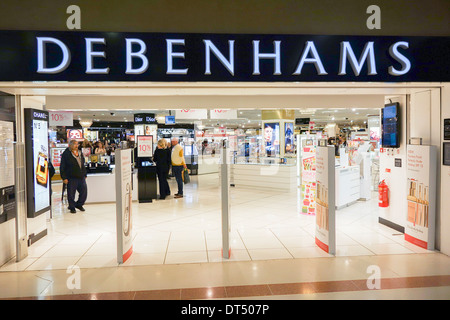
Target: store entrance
x: 271, y: 192
x: 271, y: 198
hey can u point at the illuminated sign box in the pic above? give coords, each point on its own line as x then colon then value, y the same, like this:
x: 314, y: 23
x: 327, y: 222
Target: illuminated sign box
x: 115, y: 56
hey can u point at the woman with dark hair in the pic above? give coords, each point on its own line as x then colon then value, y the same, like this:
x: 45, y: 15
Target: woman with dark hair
x: 162, y: 159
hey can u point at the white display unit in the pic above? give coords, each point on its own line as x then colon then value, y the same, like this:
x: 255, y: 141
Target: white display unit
x: 268, y: 177
x: 347, y: 185
x: 101, y: 187
x: 208, y: 164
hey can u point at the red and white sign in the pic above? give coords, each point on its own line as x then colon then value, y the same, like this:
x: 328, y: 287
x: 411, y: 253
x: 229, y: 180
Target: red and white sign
x: 144, y: 146
x: 60, y: 118
x: 220, y: 132
x: 223, y: 114
x: 196, y: 114
x: 75, y: 134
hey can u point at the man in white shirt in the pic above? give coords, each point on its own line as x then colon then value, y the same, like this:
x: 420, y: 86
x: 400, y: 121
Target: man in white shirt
x: 178, y: 165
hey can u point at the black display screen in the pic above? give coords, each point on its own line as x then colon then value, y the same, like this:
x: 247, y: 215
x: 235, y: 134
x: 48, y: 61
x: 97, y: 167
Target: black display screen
x: 390, y: 126
x: 446, y: 153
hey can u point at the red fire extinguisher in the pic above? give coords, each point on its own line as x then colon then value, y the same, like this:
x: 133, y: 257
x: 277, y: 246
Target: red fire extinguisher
x: 383, y: 195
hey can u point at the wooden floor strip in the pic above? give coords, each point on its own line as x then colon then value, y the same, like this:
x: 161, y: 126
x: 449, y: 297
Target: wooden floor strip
x: 246, y: 291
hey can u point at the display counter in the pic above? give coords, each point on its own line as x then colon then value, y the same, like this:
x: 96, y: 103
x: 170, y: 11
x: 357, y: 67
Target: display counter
x: 147, y: 186
x: 347, y: 185
x: 279, y: 177
x: 208, y: 164
x: 102, y: 187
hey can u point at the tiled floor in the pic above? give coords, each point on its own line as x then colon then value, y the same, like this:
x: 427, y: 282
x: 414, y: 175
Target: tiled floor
x: 265, y: 225
x: 177, y: 246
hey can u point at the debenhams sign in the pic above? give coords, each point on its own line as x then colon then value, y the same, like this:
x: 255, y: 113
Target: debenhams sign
x: 92, y: 56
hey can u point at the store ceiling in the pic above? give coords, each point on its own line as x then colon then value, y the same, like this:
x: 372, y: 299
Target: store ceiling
x: 246, y: 118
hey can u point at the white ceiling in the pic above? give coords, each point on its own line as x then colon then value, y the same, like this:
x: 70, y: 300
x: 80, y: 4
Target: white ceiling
x: 321, y: 102
x: 246, y: 118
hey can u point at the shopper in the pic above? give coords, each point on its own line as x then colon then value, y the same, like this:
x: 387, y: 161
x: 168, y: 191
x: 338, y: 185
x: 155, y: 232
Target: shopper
x: 73, y: 173
x: 204, y: 146
x: 162, y: 159
x: 168, y: 149
x: 178, y: 165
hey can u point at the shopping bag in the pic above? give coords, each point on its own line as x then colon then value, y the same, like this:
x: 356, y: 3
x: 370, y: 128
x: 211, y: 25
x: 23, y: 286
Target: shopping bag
x: 186, y: 178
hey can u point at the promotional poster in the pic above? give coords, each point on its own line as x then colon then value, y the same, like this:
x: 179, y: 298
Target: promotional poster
x: 289, y: 143
x: 308, y: 163
x: 40, y: 156
x: 421, y: 172
x: 124, y: 205
x: 144, y: 146
x: 272, y: 139
x: 7, y: 199
x: 325, y: 235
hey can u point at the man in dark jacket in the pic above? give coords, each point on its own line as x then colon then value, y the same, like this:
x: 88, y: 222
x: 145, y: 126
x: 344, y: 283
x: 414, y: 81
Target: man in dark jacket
x: 73, y: 174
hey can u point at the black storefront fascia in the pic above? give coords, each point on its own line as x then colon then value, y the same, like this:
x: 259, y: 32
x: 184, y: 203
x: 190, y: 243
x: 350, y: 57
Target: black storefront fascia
x: 188, y: 57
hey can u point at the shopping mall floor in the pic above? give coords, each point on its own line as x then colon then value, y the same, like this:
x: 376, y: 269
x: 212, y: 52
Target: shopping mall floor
x: 177, y: 253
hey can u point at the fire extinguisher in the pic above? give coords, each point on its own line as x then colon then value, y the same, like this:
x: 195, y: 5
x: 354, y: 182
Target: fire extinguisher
x: 383, y: 195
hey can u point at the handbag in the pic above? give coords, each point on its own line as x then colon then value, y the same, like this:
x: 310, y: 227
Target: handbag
x: 186, y: 178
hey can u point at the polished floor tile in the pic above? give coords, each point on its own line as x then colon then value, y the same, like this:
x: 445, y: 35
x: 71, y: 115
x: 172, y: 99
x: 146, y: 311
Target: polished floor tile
x: 265, y: 225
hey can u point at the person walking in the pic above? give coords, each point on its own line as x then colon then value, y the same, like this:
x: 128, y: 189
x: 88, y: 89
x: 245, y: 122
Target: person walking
x: 73, y: 173
x: 162, y: 159
x: 178, y: 165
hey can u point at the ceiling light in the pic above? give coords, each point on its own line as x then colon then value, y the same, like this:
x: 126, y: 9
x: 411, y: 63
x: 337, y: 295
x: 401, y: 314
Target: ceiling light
x: 86, y: 123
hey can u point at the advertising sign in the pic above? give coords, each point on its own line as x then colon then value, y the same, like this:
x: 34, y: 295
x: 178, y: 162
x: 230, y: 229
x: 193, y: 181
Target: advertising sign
x: 325, y: 235
x: 223, y: 114
x: 289, y: 143
x: 144, y: 146
x: 7, y: 199
x: 56, y: 154
x: 124, y: 216
x: 75, y: 134
x: 60, y: 118
x: 272, y: 139
x: 194, y: 57
x: 421, y: 196
x: 37, y: 155
x: 196, y: 114
x: 308, y: 167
